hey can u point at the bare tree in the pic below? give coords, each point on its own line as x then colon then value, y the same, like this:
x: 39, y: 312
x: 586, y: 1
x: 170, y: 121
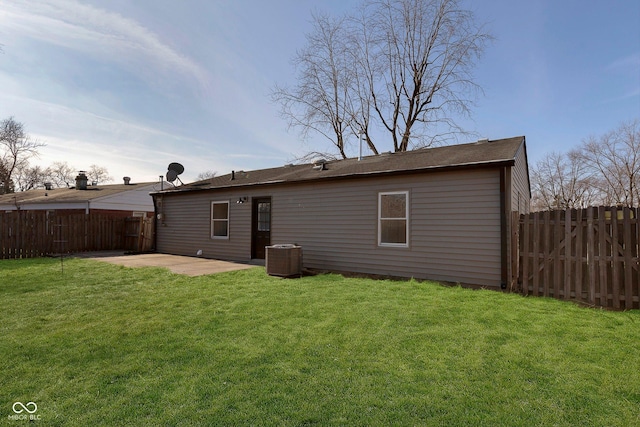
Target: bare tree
x: 320, y: 100
x: 98, y: 174
x: 6, y: 183
x: 30, y: 177
x: 615, y: 159
x: 62, y: 175
x: 206, y: 175
x: 424, y: 52
x: 562, y: 181
x: 16, y: 148
x: 400, y: 65
x: 604, y: 170
x: 312, y: 157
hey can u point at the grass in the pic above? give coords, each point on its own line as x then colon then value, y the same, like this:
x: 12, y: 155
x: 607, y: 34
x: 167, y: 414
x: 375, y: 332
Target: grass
x: 107, y: 345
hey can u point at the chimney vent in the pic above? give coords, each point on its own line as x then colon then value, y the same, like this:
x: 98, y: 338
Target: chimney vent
x: 48, y: 186
x: 81, y: 181
x: 127, y: 180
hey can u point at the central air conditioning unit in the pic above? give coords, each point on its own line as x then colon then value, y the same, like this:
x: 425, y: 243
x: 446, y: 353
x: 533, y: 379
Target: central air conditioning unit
x: 283, y: 260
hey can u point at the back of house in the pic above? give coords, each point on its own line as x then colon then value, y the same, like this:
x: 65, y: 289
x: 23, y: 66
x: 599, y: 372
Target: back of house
x: 439, y: 213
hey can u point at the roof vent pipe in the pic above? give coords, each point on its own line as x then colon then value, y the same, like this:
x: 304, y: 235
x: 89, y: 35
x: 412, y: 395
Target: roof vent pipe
x: 233, y: 175
x: 126, y: 179
x: 360, y: 141
x: 319, y: 165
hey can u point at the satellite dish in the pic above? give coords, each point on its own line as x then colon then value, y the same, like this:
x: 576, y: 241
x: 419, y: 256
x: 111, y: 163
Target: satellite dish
x: 171, y: 175
x: 176, y: 167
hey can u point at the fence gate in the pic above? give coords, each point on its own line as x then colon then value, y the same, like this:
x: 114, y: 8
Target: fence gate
x: 138, y: 234
x: 587, y: 255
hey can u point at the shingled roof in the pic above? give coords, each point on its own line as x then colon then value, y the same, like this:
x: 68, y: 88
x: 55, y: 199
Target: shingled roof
x: 69, y: 195
x: 500, y: 152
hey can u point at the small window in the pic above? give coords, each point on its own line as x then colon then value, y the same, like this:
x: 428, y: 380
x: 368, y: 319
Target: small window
x: 393, y: 219
x: 264, y: 216
x: 219, y: 220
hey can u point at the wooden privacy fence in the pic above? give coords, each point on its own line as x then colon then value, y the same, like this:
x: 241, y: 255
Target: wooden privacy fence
x: 30, y: 234
x: 586, y: 255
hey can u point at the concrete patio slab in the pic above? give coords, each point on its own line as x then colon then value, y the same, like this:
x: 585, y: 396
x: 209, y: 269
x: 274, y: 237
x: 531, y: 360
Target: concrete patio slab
x: 189, y: 266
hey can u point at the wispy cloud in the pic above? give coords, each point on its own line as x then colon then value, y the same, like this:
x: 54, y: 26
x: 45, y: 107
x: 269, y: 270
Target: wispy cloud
x: 99, y: 33
x: 626, y: 63
x: 626, y: 70
x: 121, y: 143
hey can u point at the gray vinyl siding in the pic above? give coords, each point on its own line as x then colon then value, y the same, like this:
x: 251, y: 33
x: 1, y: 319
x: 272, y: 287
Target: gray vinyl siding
x: 521, y: 194
x: 186, y: 226
x: 454, y: 225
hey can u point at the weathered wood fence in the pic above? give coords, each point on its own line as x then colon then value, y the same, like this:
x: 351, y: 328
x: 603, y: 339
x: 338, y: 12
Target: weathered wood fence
x: 586, y: 255
x: 30, y: 234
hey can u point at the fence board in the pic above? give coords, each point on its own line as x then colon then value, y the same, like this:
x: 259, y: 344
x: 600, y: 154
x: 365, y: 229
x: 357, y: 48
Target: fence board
x: 546, y: 267
x: 591, y: 242
x: 566, y: 291
x: 591, y: 256
x: 525, y: 261
x: 557, y: 234
x: 579, y: 257
x: 602, y: 248
x: 536, y: 255
x: 628, y: 288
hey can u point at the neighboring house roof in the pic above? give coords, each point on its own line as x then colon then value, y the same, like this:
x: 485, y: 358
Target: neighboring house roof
x: 500, y: 152
x: 72, y: 195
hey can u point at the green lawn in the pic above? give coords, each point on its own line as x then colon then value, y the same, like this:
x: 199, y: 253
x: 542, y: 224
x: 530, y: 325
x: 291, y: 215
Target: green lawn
x: 107, y: 345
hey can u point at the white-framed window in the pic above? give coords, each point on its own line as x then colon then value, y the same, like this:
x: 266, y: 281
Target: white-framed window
x: 220, y: 220
x: 393, y: 219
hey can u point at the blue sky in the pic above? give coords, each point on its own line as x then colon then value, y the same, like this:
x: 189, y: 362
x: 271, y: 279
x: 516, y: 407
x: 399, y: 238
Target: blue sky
x: 135, y: 85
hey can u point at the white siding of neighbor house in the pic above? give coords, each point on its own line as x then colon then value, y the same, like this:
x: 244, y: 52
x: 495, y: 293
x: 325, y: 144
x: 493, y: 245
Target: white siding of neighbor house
x: 454, y: 225
x: 136, y: 199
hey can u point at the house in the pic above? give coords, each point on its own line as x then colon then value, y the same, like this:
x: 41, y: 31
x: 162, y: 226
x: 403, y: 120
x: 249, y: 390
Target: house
x: 126, y: 199
x: 439, y: 213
